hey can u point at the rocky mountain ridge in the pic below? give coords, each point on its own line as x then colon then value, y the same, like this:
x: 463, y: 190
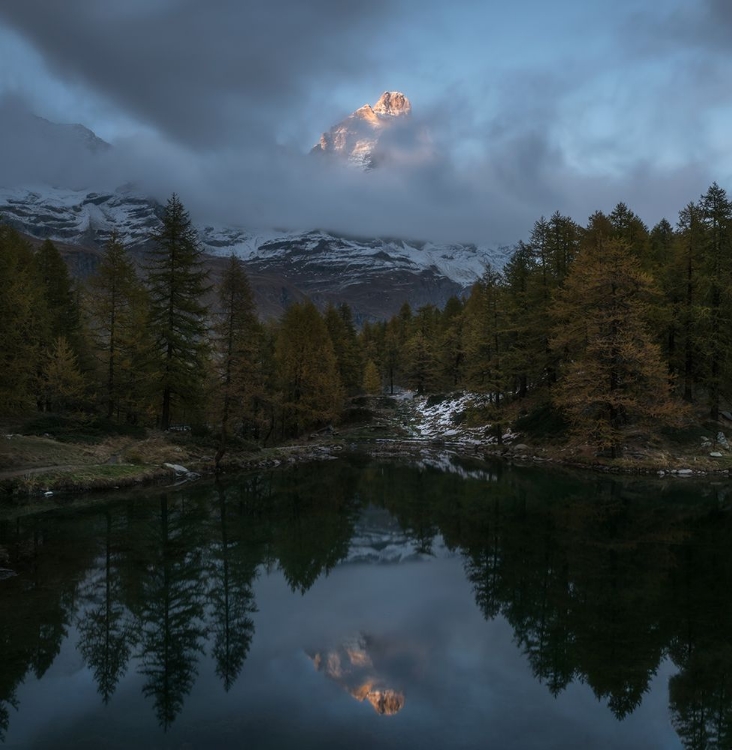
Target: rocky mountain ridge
x: 374, y: 275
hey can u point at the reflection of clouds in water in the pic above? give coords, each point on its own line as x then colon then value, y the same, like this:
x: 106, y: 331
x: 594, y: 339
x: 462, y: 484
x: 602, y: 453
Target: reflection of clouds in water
x: 352, y: 667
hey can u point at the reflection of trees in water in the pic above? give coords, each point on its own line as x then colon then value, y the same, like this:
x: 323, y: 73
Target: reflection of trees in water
x: 313, y: 521
x: 700, y: 698
x: 231, y: 572
x: 105, y: 630
x: 598, y: 584
x: 170, y: 622
x: 701, y: 646
x: 36, y: 606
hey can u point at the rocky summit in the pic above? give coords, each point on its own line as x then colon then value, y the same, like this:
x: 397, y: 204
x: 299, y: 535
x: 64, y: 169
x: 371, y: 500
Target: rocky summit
x: 359, y: 138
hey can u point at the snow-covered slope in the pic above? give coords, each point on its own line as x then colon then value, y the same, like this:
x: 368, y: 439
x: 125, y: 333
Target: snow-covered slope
x: 80, y: 217
x: 375, y: 276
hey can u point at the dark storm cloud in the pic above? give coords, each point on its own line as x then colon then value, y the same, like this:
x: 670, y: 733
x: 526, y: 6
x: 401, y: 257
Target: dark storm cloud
x: 203, y: 73
x: 221, y: 81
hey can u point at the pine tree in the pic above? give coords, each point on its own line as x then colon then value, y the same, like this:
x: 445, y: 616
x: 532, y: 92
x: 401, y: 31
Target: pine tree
x: 613, y: 374
x: 177, y: 283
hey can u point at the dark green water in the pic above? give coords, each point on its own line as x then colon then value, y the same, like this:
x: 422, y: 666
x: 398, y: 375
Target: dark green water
x: 360, y: 604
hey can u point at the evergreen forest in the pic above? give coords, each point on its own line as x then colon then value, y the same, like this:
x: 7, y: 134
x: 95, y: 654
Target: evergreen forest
x: 610, y: 330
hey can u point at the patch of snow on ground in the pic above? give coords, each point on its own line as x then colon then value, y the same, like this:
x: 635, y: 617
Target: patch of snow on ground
x: 442, y: 421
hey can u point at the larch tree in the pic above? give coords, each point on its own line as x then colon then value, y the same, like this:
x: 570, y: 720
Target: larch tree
x: 484, y: 331
x: 682, y: 283
x: 450, y: 343
x: 613, y: 374
x: 237, y: 344
x: 421, y: 352
x: 716, y: 217
x: 177, y: 282
x: 310, y: 386
x: 60, y: 295
x: 371, y: 378
x: 115, y: 302
x: 339, y: 322
x: 62, y: 384
x: 25, y: 323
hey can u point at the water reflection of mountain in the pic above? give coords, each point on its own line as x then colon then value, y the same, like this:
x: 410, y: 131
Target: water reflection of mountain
x: 354, y: 665
x: 379, y: 538
x: 601, y: 581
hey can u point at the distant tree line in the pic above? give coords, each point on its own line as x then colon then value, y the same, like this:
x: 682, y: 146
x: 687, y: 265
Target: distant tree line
x: 611, y: 323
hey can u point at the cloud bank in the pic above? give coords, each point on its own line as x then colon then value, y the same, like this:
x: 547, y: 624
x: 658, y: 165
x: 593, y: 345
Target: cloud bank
x: 229, y: 96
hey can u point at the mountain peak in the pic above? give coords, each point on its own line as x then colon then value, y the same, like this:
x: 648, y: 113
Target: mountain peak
x: 356, y: 138
x: 393, y: 103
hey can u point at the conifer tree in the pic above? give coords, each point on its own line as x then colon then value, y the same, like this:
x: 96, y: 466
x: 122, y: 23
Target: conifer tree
x: 339, y: 322
x: 451, y: 353
x: 310, y: 385
x: 371, y: 378
x: 485, y: 337
x: 116, y: 303
x: 630, y: 229
x: 682, y: 284
x: 716, y: 214
x: 613, y: 372
x: 237, y: 350
x: 371, y: 343
x: 177, y: 283
x: 62, y: 384
x: 61, y: 303
x: 25, y: 322
x: 421, y: 353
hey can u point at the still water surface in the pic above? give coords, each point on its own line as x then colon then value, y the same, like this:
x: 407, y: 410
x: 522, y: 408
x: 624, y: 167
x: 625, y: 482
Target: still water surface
x: 360, y: 604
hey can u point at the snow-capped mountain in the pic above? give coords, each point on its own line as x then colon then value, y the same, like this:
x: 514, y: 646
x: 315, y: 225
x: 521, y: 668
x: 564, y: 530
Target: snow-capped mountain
x: 373, y: 134
x: 373, y: 275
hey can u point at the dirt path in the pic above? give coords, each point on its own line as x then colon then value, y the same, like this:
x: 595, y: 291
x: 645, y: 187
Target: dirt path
x: 40, y: 470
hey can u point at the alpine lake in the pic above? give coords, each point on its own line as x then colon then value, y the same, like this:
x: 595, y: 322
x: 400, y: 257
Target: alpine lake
x: 361, y: 603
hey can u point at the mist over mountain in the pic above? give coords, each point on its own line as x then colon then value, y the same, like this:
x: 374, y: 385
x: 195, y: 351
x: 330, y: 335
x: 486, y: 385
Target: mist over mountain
x: 378, y: 135
x: 76, y: 196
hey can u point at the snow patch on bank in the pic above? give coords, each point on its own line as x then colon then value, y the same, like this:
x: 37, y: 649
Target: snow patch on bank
x: 444, y: 419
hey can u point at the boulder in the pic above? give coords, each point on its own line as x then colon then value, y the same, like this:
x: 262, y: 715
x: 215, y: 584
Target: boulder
x: 177, y: 468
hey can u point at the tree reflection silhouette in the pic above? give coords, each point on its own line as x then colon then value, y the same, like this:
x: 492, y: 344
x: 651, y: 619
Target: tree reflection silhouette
x: 105, y: 630
x: 600, y: 581
x: 170, y: 624
x: 231, y: 599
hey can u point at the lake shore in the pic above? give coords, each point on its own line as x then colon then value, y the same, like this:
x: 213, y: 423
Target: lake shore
x: 406, y: 427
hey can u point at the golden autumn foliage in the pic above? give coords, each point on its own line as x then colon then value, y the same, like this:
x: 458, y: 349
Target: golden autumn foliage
x: 613, y: 375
